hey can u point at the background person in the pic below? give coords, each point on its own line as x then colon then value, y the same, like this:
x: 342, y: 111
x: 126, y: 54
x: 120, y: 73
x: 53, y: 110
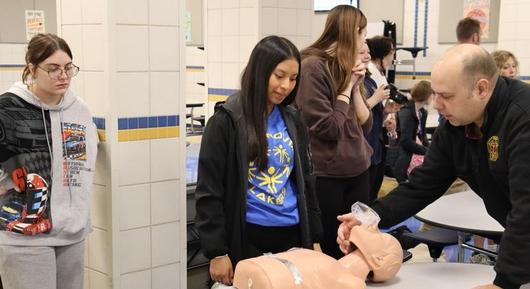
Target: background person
x: 506, y: 62
x: 254, y: 191
x: 47, y: 161
x: 337, y: 117
x: 481, y: 142
x: 468, y: 31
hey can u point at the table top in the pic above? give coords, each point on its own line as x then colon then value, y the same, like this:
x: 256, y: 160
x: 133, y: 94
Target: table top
x: 439, y: 276
x: 463, y: 212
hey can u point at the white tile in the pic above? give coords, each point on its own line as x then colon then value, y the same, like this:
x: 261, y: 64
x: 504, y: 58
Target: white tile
x: 246, y: 44
x: 134, y: 250
x: 136, y: 280
x: 73, y: 35
x: 94, y: 43
x: 165, y: 163
x: 166, y: 277
x: 86, y: 285
x: 71, y: 12
x: 213, y: 4
x: 131, y: 52
x: 304, y: 4
x: 215, y: 73
x: 269, y: 21
x: 164, y: 12
x: 214, y: 48
x: 269, y: 3
x: 214, y: 23
x: 166, y: 244
x: 164, y: 202
x: 134, y: 206
x: 248, y: 3
x: 133, y: 162
x: 287, y: 21
x: 100, y: 211
x: 132, y: 89
x: 230, y: 48
x: 303, y: 42
x: 230, y: 22
x: 229, y: 4
x: 98, y: 280
x: 164, y: 49
x: 95, y: 96
x: 231, y: 75
x: 522, y: 12
x: 165, y: 93
x: 99, y: 251
x: 304, y: 22
x: 131, y: 12
x: 93, y: 11
x: 248, y: 18
x: 287, y: 4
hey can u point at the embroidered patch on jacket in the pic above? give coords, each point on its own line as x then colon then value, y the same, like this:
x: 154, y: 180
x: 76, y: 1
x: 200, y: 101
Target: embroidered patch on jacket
x: 493, y: 148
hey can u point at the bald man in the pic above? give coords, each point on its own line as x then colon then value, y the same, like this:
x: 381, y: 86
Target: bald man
x: 485, y: 143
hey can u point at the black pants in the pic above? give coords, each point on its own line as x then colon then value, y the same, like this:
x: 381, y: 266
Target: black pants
x: 377, y: 174
x: 335, y: 197
x: 272, y: 239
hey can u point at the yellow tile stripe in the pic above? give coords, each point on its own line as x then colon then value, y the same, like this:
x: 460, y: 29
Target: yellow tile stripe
x: 102, y: 135
x: 418, y: 77
x: 148, y: 133
x: 217, y: 97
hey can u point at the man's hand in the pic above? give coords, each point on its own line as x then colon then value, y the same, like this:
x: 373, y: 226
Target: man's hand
x: 221, y: 270
x: 348, y: 221
x: 488, y: 286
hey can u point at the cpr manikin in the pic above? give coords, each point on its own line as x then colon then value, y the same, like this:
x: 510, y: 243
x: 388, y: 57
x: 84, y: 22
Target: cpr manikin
x: 377, y: 257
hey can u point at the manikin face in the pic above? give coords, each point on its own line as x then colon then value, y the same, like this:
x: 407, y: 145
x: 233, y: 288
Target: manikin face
x: 364, y: 53
x: 47, y: 81
x: 509, y: 68
x: 282, y: 82
x: 455, y: 99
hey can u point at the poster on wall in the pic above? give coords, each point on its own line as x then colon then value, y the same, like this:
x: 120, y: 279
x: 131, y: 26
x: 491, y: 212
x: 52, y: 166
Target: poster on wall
x: 34, y: 23
x: 479, y: 10
x: 187, y: 26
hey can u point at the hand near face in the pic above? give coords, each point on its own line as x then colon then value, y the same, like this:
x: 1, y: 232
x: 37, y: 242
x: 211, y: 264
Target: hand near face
x: 381, y: 93
x: 348, y: 221
x: 221, y: 270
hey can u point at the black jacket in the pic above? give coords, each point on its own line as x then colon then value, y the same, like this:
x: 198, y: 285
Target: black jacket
x: 222, y: 183
x: 407, y: 121
x: 496, y: 165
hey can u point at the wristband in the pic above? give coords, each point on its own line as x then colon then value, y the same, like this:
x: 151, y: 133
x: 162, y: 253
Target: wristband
x: 348, y: 97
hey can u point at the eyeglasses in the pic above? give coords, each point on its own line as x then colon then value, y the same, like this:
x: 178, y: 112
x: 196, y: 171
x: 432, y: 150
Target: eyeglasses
x: 56, y: 72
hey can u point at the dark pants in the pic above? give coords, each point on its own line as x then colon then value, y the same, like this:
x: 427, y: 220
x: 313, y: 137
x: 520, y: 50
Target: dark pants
x: 335, y: 197
x: 272, y: 239
x: 377, y: 174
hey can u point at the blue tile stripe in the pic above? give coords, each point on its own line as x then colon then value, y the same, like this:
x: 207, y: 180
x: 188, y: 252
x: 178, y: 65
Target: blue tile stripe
x: 423, y: 73
x: 99, y: 122
x: 126, y: 123
x: 12, y: 65
x: 194, y: 67
x: 222, y: 91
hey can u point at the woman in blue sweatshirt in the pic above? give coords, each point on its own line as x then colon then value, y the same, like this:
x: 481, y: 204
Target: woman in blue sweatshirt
x: 254, y: 190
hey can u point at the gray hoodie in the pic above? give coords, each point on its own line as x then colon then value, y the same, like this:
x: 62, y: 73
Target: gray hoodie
x: 47, y: 161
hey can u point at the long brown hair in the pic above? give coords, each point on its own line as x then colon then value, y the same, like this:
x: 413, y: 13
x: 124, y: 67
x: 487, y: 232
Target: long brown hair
x: 339, y: 40
x: 40, y: 47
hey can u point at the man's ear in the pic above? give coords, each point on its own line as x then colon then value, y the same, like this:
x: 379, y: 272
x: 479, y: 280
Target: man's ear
x: 483, y: 88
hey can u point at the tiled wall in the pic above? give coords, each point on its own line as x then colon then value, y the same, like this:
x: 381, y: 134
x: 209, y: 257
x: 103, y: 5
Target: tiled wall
x: 514, y: 32
x: 11, y: 64
x: 234, y: 27
x: 131, y: 54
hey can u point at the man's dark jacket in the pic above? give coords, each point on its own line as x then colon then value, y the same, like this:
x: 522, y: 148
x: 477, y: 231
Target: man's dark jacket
x: 495, y: 162
x: 222, y: 183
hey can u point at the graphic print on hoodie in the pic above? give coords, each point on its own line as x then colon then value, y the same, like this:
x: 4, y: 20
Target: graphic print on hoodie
x: 25, y: 167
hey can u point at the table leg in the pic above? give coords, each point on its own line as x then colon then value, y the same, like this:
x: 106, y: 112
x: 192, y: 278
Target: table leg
x: 461, y: 240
